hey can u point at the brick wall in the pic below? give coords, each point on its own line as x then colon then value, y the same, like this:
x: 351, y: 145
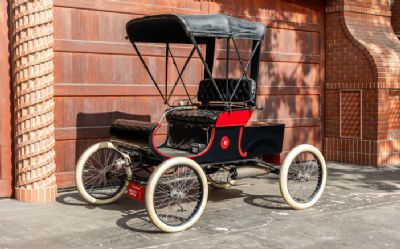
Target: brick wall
x: 396, y: 16
x: 362, y: 74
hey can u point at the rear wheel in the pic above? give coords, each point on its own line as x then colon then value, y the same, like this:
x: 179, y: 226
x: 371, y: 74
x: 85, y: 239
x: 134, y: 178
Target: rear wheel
x: 303, y: 176
x: 102, y: 173
x: 176, y: 194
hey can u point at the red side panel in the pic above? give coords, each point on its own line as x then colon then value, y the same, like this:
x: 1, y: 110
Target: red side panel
x: 274, y: 159
x: 234, y: 118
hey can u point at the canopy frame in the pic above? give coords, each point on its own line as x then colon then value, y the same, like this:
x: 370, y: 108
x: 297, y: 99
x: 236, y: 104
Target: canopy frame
x: 208, y: 61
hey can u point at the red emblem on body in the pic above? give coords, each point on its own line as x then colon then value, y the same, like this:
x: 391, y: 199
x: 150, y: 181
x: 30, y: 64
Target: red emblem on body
x: 225, y: 142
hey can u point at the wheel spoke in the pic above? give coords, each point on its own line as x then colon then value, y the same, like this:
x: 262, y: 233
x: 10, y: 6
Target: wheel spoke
x: 177, y: 195
x: 304, y: 177
x: 101, y: 177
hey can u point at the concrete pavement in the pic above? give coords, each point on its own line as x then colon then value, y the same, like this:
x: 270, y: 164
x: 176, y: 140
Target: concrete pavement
x: 359, y: 209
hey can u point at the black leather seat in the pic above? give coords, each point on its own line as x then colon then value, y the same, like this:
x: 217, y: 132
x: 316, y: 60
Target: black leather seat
x: 193, y: 116
x: 132, y: 130
x: 245, y: 93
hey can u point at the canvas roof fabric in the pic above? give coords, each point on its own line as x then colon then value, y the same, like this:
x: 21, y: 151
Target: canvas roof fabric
x: 174, y: 28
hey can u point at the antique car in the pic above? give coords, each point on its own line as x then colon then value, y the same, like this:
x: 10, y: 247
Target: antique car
x: 210, y: 137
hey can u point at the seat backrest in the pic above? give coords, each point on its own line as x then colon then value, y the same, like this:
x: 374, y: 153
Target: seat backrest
x: 245, y: 93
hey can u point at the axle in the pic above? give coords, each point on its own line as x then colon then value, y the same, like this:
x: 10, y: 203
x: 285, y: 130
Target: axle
x: 246, y: 171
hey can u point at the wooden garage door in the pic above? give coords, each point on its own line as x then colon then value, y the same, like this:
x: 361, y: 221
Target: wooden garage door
x: 98, y: 77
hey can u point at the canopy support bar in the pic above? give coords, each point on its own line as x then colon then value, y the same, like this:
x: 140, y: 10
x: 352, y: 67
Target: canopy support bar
x: 228, y: 46
x: 148, y: 71
x: 196, y: 46
x: 210, y: 53
x: 254, y: 71
x: 180, y: 74
x: 166, y: 69
x: 238, y: 54
x: 183, y: 83
x: 167, y: 96
x: 255, y: 48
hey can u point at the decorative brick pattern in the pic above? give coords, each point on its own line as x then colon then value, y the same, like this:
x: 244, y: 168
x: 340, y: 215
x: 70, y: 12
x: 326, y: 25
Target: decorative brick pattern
x: 350, y: 114
x: 394, y: 110
x: 33, y: 98
x: 363, y: 53
x: 394, y: 115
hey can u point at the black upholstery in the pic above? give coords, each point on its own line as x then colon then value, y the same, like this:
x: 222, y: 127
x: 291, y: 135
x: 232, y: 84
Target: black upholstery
x: 193, y: 116
x: 131, y: 130
x: 177, y: 28
x: 246, y: 91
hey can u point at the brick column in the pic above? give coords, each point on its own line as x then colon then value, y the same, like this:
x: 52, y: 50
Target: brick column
x: 33, y: 100
x: 396, y: 16
x: 362, y: 106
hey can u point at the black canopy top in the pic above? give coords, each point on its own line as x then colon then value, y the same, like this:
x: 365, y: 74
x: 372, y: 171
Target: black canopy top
x: 178, y: 28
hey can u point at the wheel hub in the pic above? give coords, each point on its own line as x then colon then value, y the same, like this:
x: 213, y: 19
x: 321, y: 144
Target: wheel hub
x: 304, y: 177
x: 119, y: 163
x: 108, y: 175
x: 179, y: 194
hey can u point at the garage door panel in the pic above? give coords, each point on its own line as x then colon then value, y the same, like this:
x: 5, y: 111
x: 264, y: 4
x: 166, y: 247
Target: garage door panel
x: 289, y: 74
x: 301, y: 135
x: 90, y: 68
x: 288, y: 106
x: 295, y: 41
x: 291, y: 11
x: 277, y: 73
x: 69, y: 109
x: 67, y: 155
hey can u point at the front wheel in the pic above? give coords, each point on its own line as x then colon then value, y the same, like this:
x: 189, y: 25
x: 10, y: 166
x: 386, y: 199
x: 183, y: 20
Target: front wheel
x: 102, y: 174
x: 176, y: 194
x: 302, y: 176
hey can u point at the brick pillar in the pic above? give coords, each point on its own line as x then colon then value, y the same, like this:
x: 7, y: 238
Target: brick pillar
x: 33, y: 100
x: 362, y: 100
x: 396, y: 16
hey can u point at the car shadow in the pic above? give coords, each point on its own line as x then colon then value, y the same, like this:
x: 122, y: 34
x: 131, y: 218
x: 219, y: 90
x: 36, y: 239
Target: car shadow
x: 267, y: 202
x: 134, y: 215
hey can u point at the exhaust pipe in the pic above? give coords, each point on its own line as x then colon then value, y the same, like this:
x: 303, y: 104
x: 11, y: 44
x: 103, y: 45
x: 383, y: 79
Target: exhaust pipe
x: 247, y: 171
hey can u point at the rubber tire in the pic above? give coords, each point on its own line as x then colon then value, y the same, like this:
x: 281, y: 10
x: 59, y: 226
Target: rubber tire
x: 151, y: 185
x: 284, y: 173
x: 79, y: 169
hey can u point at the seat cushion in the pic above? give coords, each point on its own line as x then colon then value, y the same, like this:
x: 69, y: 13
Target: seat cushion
x: 131, y: 130
x: 193, y: 116
x: 245, y: 92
